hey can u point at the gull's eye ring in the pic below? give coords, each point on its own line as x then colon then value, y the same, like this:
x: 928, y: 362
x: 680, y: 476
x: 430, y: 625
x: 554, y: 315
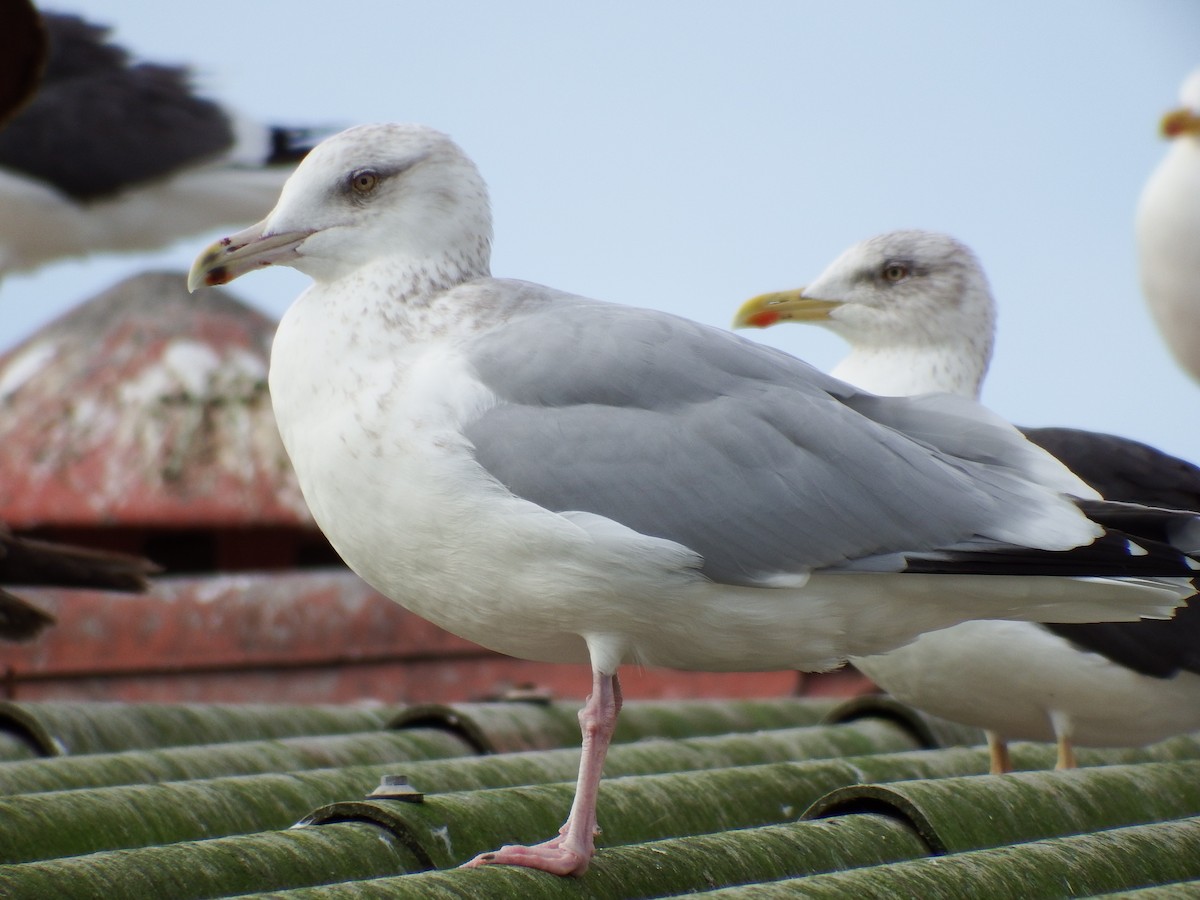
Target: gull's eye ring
x: 894, y: 272
x: 364, y: 181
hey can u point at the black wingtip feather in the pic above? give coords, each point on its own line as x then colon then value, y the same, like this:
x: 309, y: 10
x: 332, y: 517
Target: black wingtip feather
x: 1159, y: 648
x: 290, y: 145
x: 1138, y: 542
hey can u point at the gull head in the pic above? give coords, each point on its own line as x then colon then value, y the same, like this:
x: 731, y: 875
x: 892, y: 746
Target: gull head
x: 402, y: 195
x: 896, y: 288
x: 1184, y: 121
x: 914, y: 306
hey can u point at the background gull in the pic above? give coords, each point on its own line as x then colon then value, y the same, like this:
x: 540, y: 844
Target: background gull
x: 1168, y: 232
x: 112, y: 155
x: 567, y: 480
x: 917, y: 311
x: 27, y: 561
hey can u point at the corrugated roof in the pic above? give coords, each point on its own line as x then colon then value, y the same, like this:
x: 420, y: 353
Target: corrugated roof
x: 784, y: 797
x: 143, y: 407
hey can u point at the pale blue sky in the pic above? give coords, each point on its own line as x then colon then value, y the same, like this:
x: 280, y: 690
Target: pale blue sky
x: 685, y: 156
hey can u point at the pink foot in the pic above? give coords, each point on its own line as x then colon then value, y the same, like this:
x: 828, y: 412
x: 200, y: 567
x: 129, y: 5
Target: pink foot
x: 570, y: 852
x: 550, y: 857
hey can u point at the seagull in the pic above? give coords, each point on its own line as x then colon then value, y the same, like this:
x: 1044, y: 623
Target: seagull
x: 567, y: 480
x: 27, y: 561
x: 1167, y: 228
x: 111, y: 155
x: 919, y: 316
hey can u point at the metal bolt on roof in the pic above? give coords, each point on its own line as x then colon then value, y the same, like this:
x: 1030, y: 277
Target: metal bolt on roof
x: 654, y: 869
x: 139, y: 814
x: 249, y: 757
x: 396, y: 787
x: 688, y: 814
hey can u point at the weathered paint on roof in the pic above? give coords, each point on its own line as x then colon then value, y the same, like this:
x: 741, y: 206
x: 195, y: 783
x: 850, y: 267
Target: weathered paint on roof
x: 311, y: 636
x: 144, y: 407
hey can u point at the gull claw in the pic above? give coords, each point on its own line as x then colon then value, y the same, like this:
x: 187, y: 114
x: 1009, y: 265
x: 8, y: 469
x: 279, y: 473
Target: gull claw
x: 550, y: 856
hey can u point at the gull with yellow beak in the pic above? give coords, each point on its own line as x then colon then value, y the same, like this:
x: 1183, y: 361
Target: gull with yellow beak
x: 919, y: 316
x: 888, y: 297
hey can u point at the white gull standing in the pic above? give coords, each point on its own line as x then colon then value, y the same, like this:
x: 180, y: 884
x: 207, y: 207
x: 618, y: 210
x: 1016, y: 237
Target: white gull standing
x: 917, y: 311
x: 111, y: 155
x: 1167, y: 228
x: 573, y: 481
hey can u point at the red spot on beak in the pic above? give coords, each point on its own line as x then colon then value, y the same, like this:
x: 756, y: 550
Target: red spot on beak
x: 764, y: 319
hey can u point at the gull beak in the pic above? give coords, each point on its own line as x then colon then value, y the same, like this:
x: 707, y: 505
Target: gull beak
x: 233, y: 256
x: 1179, y: 122
x: 766, y: 310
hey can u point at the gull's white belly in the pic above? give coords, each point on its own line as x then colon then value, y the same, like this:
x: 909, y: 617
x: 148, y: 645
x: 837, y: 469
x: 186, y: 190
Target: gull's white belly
x: 1011, y: 677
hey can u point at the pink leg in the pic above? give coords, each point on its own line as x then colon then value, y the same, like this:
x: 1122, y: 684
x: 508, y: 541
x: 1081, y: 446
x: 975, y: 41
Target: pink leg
x: 571, y: 851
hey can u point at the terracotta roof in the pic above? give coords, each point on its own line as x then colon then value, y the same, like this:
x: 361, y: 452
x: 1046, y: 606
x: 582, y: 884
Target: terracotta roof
x: 311, y: 636
x: 144, y: 407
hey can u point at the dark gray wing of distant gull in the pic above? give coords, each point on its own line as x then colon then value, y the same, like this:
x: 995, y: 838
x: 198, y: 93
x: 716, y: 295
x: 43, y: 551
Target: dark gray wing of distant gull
x: 23, y: 50
x: 101, y: 124
x: 103, y: 130
x: 1128, y: 470
x: 1123, y: 469
x: 36, y: 563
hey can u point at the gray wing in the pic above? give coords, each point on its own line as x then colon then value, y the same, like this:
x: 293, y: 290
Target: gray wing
x: 746, y: 455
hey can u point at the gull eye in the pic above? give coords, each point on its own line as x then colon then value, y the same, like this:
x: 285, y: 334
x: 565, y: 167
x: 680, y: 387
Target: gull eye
x: 894, y: 272
x: 363, y: 181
